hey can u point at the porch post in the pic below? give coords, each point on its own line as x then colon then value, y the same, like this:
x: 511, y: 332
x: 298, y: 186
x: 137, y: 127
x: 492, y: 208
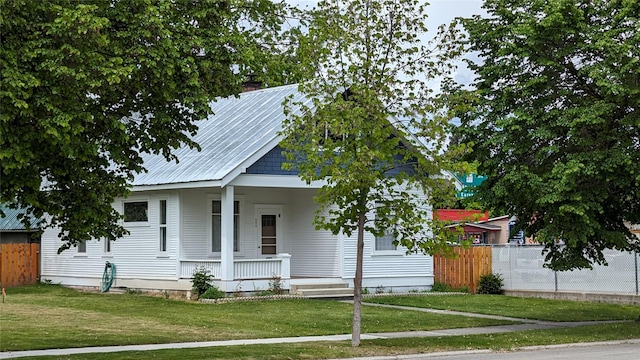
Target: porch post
x: 226, y: 246
x: 285, y: 266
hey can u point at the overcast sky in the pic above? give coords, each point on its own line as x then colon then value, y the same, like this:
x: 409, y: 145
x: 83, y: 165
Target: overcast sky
x: 440, y: 12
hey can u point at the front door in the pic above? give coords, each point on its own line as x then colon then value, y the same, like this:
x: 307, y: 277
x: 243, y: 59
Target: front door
x: 268, y: 223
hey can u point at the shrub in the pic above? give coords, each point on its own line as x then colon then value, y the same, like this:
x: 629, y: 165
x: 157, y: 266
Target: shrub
x: 490, y: 284
x: 201, y: 280
x: 442, y: 287
x: 275, y: 285
x: 213, y: 293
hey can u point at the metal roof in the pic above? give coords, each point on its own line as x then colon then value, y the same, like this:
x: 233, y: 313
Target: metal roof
x: 11, y: 222
x: 484, y: 226
x: 240, y: 128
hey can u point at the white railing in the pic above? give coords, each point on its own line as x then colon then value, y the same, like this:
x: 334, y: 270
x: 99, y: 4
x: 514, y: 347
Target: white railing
x: 243, y: 269
x: 187, y: 267
x: 256, y: 268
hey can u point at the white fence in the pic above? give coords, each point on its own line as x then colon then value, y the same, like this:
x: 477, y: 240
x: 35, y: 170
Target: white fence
x: 521, y: 268
x: 242, y: 269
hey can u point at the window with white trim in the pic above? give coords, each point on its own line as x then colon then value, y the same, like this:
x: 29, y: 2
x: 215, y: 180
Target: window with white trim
x: 216, y: 225
x: 136, y: 211
x: 385, y: 242
x: 107, y: 246
x: 82, y: 247
x: 162, y: 226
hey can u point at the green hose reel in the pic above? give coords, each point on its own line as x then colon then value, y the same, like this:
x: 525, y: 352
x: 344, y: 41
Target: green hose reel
x: 108, y: 276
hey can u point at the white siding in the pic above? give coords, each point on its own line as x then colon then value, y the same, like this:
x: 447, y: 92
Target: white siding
x: 387, y: 268
x: 136, y: 255
x: 195, y: 219
x: 314, y: 253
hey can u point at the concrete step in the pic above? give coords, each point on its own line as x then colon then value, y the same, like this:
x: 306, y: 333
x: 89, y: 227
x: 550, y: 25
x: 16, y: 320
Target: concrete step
x: 332, y: 290
x: 337, y: 285
x: 329, y: 291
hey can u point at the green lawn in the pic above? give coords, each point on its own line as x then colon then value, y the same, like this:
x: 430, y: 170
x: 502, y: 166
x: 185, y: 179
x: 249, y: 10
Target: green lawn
x: 343, y: 349
x: 41, y: 317
x: 525, y: 308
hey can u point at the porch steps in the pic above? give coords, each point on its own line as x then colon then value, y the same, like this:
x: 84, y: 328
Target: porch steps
x: 323, y: 291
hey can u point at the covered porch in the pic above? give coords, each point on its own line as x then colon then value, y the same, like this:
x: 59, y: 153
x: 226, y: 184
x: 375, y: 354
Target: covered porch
x: 248, y: 235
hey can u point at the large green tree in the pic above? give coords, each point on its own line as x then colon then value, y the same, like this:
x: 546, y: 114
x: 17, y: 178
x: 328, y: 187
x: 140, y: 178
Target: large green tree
x: 370, y: 89
x: 89, y: 86
x: 556, y: 125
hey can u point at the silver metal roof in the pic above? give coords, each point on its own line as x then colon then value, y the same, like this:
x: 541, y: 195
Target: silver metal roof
x: 239, y: 129
x: 11, y: 222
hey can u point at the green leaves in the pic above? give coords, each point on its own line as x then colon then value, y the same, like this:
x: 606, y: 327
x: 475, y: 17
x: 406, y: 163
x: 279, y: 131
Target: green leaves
x: 87, y: 86
x: 370, y: 93
x: 556, y: 124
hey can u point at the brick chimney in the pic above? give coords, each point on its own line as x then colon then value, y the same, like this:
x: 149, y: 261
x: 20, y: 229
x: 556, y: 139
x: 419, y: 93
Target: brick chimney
x: 251, y: 83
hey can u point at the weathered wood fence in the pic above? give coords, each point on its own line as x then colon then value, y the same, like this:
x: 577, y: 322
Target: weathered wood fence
x: 19, y: 264
x: 466, y: 269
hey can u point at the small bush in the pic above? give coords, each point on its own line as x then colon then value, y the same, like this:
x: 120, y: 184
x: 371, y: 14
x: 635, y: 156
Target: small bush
x: 275, y: 285
x: 440, y: 287
x: 490, y: 284
x: 201, y: 280
x: 213, y: 293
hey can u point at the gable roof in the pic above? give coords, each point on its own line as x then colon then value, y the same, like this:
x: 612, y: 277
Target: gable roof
x: 241, y: 130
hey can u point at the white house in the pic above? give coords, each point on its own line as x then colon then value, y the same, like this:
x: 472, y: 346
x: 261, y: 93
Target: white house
x: 232, y: 209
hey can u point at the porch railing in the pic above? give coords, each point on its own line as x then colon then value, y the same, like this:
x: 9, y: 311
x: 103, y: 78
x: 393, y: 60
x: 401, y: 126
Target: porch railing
x: 242, y: 269
x: 187, y: 267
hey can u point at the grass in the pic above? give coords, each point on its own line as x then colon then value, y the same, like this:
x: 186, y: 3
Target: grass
x: 525, y: 308
x: 388, y: 347
x: 41, y: 317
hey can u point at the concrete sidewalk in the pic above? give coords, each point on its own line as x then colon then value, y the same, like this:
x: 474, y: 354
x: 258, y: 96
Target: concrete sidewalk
x: 525, y: 324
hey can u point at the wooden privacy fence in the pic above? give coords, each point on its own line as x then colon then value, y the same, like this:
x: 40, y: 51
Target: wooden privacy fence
x: 466, y: 269
x: 19, y: 264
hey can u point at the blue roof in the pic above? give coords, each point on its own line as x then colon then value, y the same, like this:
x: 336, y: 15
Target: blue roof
x: 11, y: 222
x: 241, y: 128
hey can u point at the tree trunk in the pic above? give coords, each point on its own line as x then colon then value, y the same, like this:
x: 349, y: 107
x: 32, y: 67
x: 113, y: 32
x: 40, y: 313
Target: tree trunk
x: 357, y: 284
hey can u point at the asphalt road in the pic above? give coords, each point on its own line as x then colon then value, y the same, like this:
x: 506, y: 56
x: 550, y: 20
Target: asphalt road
x: 594, y: 351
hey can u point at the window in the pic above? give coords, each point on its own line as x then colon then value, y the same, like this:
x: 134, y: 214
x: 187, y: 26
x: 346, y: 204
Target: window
x: 135, y: 211
x: 216, y: 225
x: 82, y: 247
x: 107, y: 246
x: 163, y: 225
x: 385, y: 242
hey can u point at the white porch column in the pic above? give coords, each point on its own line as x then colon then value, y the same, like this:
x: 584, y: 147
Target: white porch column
x: 285, y: 270
x: 226, y: 246
x: 285, y: 265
